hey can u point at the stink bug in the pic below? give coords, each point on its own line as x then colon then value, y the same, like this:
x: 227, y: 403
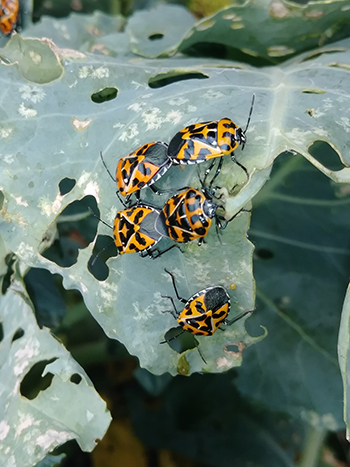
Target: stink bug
x: 204, y: 312
x: 9, y: 10
x: 141, y: 168
x: 188, y: 215
x: 135, y: 230
x: 208, y: 140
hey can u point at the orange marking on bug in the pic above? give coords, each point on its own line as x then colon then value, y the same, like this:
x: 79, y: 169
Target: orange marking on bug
x: 8, y: 15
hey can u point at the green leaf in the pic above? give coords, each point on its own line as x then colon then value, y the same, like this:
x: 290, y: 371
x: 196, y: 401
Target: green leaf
x: 343, y: 354
x: 44, y: 417
x: 77, y: 31
x: 35, y: 59
x: 205, y: 419
x: 270, y: 30
x: 301, y: 232
x: 155, y: 32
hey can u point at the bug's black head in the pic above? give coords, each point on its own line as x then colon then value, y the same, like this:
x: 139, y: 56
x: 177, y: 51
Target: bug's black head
x: 240, y: 137
x: 209, y: 208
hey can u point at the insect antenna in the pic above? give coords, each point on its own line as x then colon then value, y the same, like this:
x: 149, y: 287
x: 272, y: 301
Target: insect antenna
x: 100, y: 253
x: 103, y: 162
x: 109, y: 244
x: 174, y: 337
x: 249, y: 118
x: 180, y: 334
x: 238, y: 317
x: 95, y: 215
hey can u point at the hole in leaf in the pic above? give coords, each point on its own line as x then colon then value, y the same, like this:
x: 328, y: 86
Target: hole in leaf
x: 1, y: 331
x: 76, y: 228
x: 18, y: 334
x: 313, y: 91
x: 6, y: 280
x: 232, y: 348
x: 66, y: 185
x: 75, y: 378
x: 105, y: 248
x: 164, y: 79
x: 33, y: 382
x: 104, y: 95
x: 44, y: 290
x: 264, y: 253
x: 326, y: 155
x: 156, y: 36
x: 181, y: 341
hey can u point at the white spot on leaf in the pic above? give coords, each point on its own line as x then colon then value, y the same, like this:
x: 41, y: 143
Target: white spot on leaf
x: 20, y: 201
x: 52, y: 438
x: 4, y: 429
x: 152, y: 118
x: 8, y: 158
x: 5, y: 132
x: 32, y: 93
x: 25, y: 251
x: 26, y: 112
x: 178, y: 101
x: 130, y: 133
x: 80, y: 124
x: 101, y: 72
x: 36, y: 58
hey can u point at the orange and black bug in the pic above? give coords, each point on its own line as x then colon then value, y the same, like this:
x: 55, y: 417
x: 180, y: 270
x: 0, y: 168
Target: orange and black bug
x: 9, y: 10
x: 137, y: 229
x: 188, y: 215
x: 208, y: 140
x: 204, y: 312
x: 141, y: 168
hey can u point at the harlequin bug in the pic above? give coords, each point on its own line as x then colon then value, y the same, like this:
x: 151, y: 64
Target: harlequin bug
x: 9, y: 10
x: 141, y: 168
x: 208, y: 140
x: 188, y: 215
x: 204, y: 312
x: 137, y: 229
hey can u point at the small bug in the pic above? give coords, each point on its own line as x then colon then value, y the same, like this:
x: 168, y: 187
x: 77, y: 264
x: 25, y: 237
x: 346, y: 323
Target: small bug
x: 135, y: 230
x: 208, y: 140
x: 9, y: 10
x: 141, y: 168
x: 188, y: 215
x: 204, y: 312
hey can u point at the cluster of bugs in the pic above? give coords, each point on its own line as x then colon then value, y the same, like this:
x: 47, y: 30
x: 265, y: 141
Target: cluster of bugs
x: 9, y: 16
x: 185, y: 216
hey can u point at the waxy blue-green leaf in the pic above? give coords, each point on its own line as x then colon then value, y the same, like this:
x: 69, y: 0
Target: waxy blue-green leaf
x: 343, y: 355
x: 69, y: 408
x: 268, y: 30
